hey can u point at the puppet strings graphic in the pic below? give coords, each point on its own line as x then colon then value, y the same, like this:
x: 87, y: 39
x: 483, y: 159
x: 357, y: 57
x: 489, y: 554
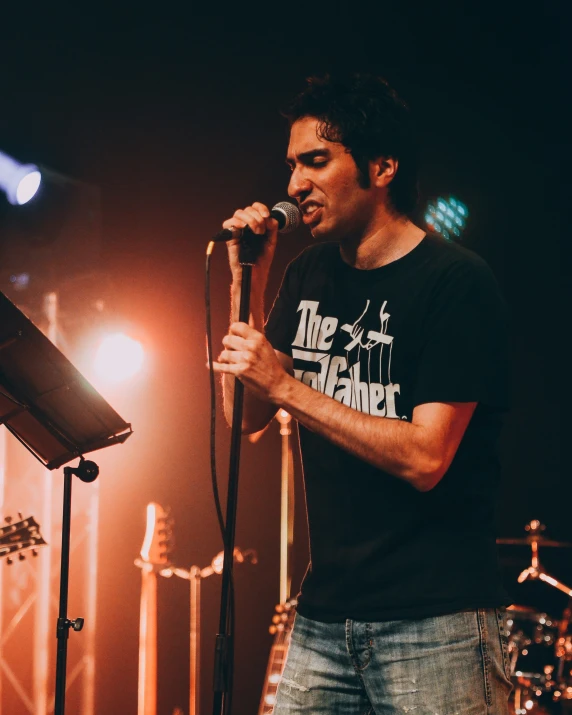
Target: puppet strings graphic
x: 344, y: 377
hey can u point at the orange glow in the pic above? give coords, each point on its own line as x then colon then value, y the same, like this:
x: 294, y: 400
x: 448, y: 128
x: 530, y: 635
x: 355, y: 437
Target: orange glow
x: 118, y: 358
x: 149, y: 531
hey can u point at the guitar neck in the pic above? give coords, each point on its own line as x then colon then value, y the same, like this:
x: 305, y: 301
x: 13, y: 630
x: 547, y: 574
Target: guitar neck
x: 278, y: 652
x: 147, y: 690
x: 274, y: 670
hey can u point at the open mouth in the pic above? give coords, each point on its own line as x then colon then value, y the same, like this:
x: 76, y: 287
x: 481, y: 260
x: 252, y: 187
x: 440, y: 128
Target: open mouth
x: 311, y: 212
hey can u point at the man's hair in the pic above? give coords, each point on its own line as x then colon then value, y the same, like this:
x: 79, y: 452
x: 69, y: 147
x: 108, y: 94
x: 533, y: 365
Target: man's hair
x: 364, y: 114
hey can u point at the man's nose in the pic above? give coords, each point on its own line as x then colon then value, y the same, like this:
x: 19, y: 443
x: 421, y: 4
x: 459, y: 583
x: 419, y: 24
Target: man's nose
x: 298, y: 185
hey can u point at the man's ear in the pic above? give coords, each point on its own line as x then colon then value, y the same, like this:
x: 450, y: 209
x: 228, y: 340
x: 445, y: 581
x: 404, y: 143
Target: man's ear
x: 383, y: 170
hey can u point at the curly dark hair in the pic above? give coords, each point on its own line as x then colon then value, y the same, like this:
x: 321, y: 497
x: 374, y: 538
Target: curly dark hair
x: 366, y: 115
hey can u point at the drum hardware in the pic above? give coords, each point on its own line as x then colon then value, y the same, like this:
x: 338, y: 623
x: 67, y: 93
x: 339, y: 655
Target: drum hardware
x: 564, y: 655
x: 540, y: 647
x: 535, y: 570
x: 532, y: 636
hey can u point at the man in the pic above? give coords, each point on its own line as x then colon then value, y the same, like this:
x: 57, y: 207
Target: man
x: 389, y: 348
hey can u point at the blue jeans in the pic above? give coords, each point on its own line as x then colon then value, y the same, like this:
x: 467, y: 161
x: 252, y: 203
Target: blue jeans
x: 445, y: 665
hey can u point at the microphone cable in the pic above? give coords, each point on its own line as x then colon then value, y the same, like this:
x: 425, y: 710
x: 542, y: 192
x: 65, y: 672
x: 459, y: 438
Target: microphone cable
x: 214, y: 477
x: 212, y: 382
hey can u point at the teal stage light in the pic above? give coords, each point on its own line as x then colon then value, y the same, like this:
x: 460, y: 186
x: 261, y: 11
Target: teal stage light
x: 447, y: 217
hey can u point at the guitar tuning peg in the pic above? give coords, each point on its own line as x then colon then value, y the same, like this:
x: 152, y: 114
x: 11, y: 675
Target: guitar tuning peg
x: 276, y: 619
x: 8, y: 519
x: 20, y: 516
x: 34, y: 552
x: 21, y: 557
x: 272, y: 630
x: 9, y: 561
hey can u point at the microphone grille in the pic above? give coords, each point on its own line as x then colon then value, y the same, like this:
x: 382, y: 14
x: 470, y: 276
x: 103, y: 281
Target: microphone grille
x: 291, y: 216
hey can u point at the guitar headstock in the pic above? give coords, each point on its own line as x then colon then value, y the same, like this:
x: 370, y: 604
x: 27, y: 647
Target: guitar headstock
x: 283, y: 417
x: 18, y: 536
x: 158, y: 541
x: 283, y: 618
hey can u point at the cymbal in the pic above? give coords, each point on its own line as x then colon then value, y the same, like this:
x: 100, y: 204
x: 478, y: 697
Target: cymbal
x: 540, y: 540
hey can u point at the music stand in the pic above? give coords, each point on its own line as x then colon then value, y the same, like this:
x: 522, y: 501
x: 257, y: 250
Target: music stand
x: 47, y: 404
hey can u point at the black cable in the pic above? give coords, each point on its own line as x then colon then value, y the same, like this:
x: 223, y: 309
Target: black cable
x: 214, y: 479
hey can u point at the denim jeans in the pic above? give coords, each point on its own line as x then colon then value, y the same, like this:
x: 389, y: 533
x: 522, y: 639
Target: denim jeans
x: 455, y: 664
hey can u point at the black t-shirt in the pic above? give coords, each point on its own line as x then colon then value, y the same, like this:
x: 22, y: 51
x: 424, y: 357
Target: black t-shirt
x: 429, y: 327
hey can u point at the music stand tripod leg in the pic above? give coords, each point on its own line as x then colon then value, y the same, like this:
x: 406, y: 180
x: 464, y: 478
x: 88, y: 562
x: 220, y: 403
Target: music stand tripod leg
x: 87, y: 472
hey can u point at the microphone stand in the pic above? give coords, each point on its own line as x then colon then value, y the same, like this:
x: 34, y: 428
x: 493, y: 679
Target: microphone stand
x: 250, y: 248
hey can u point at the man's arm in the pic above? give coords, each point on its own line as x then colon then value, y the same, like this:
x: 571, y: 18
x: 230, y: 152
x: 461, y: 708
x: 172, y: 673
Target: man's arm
x: 256, y: 413
x: 420, y: 451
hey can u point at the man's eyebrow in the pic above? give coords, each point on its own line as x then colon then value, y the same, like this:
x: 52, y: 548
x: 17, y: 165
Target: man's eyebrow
x: 306, y: 157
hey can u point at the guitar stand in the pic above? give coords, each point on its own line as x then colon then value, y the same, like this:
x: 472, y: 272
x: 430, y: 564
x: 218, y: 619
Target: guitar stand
x: 195, y: 575
x: 88, y: 472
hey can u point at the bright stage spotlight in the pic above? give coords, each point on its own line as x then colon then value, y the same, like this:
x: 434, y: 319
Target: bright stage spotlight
x: 118, y: 358
x: 20, y: 182
x: 447, y: 217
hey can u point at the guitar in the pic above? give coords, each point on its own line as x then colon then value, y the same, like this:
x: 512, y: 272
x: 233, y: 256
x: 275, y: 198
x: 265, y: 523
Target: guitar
x: 17, y: 537
x: 281, y: 628
x: 154, y: 558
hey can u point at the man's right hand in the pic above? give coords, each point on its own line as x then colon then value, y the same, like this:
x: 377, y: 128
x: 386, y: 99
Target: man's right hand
x: 257, y: 413
x: 257, y: 218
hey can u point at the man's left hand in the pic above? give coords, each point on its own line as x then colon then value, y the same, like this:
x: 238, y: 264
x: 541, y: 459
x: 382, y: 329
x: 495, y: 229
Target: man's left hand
x: 249, y: 356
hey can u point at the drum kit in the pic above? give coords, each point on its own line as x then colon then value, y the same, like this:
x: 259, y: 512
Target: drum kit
x: 540, y: 646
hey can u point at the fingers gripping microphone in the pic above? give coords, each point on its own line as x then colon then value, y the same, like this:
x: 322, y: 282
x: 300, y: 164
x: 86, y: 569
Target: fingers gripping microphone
x: 287, y: 215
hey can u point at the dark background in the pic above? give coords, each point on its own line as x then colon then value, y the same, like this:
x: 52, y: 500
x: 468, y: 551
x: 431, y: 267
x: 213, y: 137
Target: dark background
x: 172, y: 111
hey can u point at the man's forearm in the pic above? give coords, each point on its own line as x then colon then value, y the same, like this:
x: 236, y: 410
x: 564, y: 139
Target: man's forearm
x: 401, y: 448
x: 419, y: 451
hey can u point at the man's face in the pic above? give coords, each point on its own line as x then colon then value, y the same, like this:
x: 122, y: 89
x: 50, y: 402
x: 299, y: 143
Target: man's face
x: 325, y: 183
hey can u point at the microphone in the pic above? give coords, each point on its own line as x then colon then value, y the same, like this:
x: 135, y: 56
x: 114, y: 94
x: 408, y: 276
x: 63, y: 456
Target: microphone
x: 287, y: 215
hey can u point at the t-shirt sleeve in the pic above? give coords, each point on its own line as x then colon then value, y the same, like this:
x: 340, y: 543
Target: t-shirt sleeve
x: 279, y: 328
x: 464, y: 357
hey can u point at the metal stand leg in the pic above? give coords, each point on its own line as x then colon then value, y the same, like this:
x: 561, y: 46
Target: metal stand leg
x: 87, y: 472
x: 195, y: 640
x: 63, y: 623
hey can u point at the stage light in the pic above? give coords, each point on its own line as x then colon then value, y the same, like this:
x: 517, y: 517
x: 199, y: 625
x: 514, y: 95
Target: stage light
x: 20, y: 281
x: 20, y: 182
x: 118, y: 358
x: 447, y: 217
